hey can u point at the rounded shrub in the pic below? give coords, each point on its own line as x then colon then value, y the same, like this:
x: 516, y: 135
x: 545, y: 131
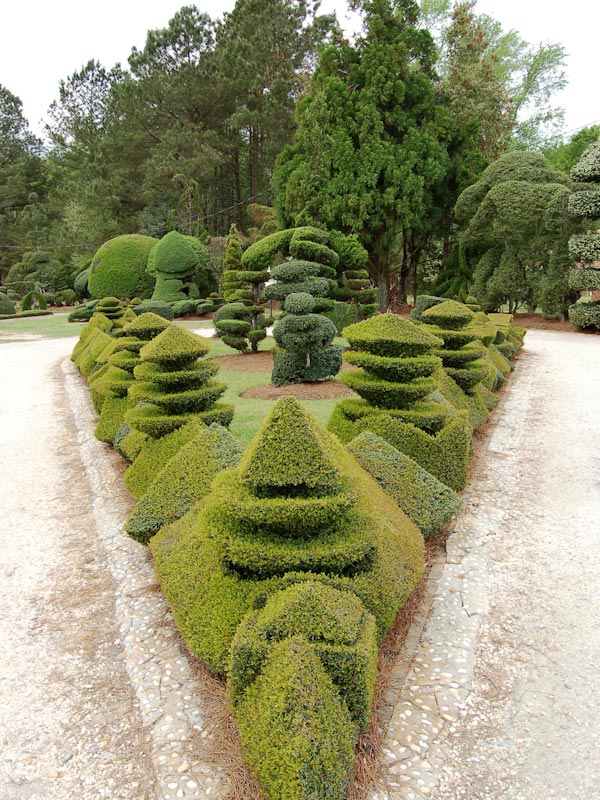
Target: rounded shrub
x: 119, y: 267
x: 6, y: 305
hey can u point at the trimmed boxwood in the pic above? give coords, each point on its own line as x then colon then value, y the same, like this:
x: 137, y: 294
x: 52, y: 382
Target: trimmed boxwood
x: 184, y: 480
x: 291, y: 458
x: 155, y: 455
x: 585, y: 315
x: 427, y: 501
x: 294, y: 727
x: 6, y: 305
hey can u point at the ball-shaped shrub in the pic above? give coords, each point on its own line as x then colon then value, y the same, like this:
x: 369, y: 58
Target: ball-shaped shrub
x: 119, y: 267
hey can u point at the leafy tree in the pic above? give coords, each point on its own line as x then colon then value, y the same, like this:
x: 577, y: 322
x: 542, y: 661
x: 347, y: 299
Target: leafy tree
x: 514, y: 230
x: 366, y: 157
x: 23, y: 184
x: 565, y: 156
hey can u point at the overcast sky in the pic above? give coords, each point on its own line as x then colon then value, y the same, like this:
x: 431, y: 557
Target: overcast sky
x: 42, y: 42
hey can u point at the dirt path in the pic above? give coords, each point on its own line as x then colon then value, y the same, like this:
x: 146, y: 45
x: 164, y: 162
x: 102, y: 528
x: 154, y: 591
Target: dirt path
x: 502, y: 698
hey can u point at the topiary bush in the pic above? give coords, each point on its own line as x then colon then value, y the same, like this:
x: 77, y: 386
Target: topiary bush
x: 305, y: 338
x: 119, y: 267
x: 241, y: 326
x: 173, y: 386
x: 33, y: 299
x: 184, y: 479
x: 297, y: 510
x: 158, y: 307
x: 6, y: 305
x: 584, y: 248
x: 298, y: 506
x: 173, y: 262
x: 428, y: 502
x: 328, y: 631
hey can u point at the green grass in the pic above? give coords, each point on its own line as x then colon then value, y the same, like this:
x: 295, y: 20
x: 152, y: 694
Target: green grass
x: 55, y: 326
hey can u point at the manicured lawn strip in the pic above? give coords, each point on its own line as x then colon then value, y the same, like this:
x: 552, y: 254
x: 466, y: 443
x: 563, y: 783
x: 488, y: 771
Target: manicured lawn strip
x: 54, y: 326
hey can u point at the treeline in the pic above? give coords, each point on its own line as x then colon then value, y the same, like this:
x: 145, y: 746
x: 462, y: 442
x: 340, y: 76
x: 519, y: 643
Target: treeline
x: 272, y: 105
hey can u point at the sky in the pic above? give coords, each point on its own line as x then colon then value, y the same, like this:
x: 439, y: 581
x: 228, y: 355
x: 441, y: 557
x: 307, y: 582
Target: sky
x: 42, y: 42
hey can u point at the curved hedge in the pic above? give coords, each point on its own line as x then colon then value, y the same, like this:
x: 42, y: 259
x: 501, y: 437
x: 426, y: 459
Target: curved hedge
x: 119, y: 267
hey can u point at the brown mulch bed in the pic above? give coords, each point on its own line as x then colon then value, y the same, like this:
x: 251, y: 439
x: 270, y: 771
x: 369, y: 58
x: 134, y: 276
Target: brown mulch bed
x: 324, y: 390
x: 250, y: 362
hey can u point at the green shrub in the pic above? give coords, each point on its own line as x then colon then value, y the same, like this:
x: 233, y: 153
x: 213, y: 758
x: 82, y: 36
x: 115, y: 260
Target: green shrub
x: 119, y: 267
x: 585, y: 315
x: 155, y: 455
x: 184, y: 480
x: 305, y: 338
x: 129, y: 443
x: 65, y: 298
x: 336, y: 624
x: 111, y: 417
x: 158, y: 307
x: 214, y: 566
x: 80, y: 284
x: 6, y: 305
x: 295, y: 730
x: 33, y: 299
x: 424, y: 499
x: 445, y: 455
x: 390, y: 336
x: 422, y: 303
x: 449, y: 314
x: 585, y: 279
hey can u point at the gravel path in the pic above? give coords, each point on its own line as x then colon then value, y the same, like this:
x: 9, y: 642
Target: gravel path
x: 497, y: 698
x: 502, y: 698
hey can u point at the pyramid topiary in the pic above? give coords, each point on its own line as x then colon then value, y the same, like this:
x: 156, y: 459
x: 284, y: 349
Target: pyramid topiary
x: 297, y: 506
x: 300, y: 531
x: 584, y: 248
x: 173, y: 386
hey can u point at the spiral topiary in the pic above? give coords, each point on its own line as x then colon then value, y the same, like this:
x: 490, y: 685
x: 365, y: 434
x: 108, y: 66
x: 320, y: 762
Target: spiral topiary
x: 173, y: 386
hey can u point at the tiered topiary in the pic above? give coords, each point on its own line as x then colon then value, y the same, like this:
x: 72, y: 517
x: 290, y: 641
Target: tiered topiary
x: 174, y: 261
x: 119, y: 267
x: 424, y: 499
x: 305, y: 338
x: 173, y: 386
x: 396, y: 381
x: 584, y: 248
x: 353, y: 281
x: 460, y: 356
x: 184, y: 479
x: 298, y: 507
x: 395, y: 375
x: 297, y: 510
x: 109, y: 386
x: 234, y: 288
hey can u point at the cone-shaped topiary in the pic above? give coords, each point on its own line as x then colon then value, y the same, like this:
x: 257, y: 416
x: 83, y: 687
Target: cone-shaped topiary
x: 297, y: 507
x: 307, y: 353
x: 396, y: 372
x: 184, y: 479
x: 173, y: 386
x: 234, y: 287
x: 585, y: 247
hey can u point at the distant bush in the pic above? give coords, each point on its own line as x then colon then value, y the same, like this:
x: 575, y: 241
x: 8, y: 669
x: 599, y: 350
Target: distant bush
x: 119, y: 267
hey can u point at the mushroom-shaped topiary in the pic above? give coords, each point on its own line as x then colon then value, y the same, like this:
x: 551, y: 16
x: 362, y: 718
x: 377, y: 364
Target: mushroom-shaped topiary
x: 174, y: 261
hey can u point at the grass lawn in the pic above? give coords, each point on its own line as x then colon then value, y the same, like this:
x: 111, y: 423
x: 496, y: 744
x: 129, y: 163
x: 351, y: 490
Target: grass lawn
x: 249, y: 413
